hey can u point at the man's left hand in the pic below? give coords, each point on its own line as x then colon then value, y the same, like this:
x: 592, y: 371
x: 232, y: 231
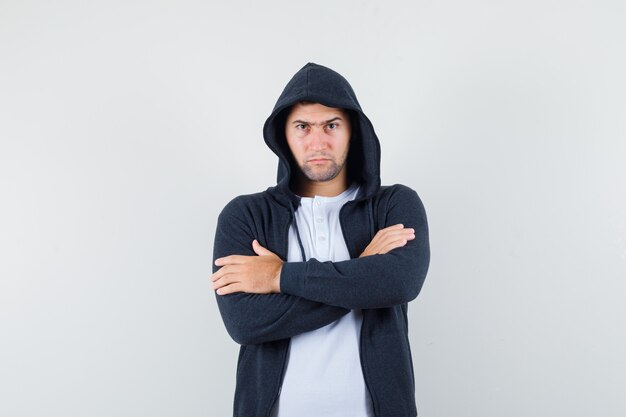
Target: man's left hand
x: 252, y: 274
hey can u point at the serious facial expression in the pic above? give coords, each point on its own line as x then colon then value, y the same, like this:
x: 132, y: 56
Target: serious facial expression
x: 319, y: 139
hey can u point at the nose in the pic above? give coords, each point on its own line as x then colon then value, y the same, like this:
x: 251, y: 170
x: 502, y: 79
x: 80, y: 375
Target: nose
x: 318, y: 138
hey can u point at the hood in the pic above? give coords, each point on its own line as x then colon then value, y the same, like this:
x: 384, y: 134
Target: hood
x: 320, y: 84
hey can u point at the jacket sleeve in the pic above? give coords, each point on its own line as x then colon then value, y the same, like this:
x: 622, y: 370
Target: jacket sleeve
x: 259, y: 318
x: 374, y: 281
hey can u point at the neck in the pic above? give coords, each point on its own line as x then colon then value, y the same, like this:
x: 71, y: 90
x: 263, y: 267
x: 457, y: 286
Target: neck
x: 306, y: 188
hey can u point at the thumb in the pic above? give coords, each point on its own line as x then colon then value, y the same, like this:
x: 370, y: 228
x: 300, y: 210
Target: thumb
x: 260, y: 250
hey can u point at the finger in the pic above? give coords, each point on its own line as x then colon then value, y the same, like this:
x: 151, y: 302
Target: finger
x: 224, y: 281
x: 395, y: 232
x: 389, y: 229
x: 402, y: 234
x: 260, y: 250
x: 397, y: 243
x: 392, y: 231
x: 391, y: 236
x: 227, y: 270
x: 387, y: 236
x: 231, y: 260
x: 230, y: 289
x: 393, y: 227
x: 218, y: 274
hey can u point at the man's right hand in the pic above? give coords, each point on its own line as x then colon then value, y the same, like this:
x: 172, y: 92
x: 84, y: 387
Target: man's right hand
x: 387, y: 239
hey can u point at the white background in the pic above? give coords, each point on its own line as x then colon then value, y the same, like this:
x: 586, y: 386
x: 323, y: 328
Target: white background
x: 126, y: 126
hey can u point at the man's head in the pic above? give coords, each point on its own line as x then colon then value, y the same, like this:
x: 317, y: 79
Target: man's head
x: 319, y: 140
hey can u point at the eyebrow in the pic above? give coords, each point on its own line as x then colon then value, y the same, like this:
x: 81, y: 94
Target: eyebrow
x: 313, y: 124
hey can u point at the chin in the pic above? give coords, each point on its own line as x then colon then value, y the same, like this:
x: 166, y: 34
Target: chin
x: 322, y: 178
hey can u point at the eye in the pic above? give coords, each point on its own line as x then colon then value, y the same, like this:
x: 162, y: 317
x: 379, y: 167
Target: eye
x: 332, y: 126
x: 301, y: 126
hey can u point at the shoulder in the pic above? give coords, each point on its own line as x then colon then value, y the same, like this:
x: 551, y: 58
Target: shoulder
x: 397, y: 193
x: 245, y: 204
x: 399, y: 198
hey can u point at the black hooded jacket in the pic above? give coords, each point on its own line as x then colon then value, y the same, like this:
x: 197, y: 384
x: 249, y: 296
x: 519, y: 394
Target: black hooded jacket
x: 313, y: 293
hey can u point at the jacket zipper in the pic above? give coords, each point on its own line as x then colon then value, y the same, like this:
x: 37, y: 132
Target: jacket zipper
x: 284, y: 361
x: 280, y: 382
x: 363, y: 368
x: 361, y: 338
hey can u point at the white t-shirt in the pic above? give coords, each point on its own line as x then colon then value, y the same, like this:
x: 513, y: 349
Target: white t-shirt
x: 323, y: 375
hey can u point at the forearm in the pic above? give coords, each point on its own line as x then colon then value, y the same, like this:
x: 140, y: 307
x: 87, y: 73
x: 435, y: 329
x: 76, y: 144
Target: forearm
x: 258, y: 318
x: 371, y: 282
x: 375, y: 281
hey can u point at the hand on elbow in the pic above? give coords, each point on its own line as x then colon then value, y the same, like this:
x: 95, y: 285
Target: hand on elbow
x: 251, y: 274
x: 387, y: 239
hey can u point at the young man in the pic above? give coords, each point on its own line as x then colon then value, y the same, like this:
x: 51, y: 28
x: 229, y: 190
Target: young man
x: 313, y: 275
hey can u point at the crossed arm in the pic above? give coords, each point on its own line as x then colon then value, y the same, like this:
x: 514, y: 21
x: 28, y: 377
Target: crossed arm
x: 262, y: 299
x: 260, y: 273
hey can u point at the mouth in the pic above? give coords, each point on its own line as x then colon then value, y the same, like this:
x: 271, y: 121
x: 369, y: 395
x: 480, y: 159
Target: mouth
x: 318, y: 161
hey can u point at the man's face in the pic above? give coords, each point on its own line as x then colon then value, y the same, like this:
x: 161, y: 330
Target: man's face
x: 319, y: 139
